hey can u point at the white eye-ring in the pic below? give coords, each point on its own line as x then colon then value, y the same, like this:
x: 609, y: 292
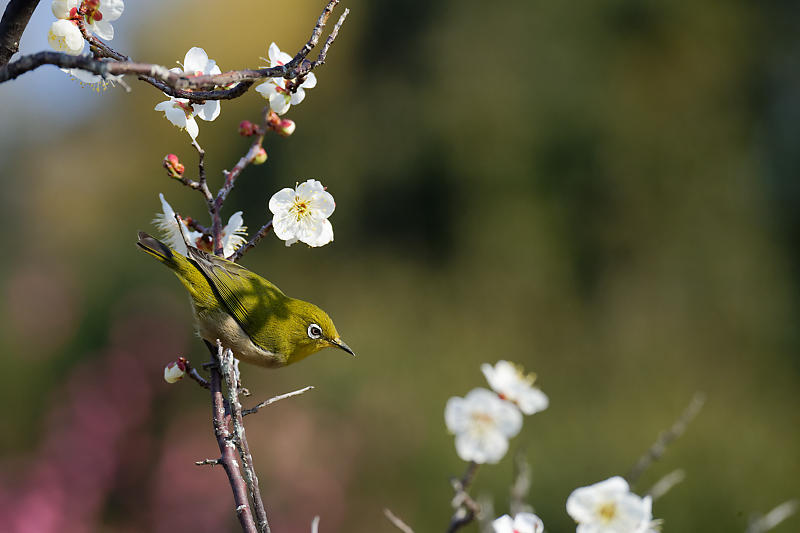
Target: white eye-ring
x: 314, y: 331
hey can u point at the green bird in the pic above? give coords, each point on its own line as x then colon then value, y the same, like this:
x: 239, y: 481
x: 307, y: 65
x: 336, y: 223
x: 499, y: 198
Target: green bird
x: 247, y: 313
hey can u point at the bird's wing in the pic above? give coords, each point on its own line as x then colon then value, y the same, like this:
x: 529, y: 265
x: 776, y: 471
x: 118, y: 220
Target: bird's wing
x: 249, y: 298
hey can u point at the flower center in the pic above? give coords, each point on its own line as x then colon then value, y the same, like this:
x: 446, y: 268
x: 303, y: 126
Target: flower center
x: 92, y: 10
x: 301, y: 208
x: 481, y: 422
x: 607, y: 512
x: 188, y: 110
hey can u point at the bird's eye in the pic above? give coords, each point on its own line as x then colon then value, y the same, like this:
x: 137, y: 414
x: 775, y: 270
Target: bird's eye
x: 314, y: 331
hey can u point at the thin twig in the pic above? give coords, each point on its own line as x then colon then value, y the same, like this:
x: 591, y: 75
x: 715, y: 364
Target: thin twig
x: 658, y: 448
x: 12, y: 25
x: 332, y: 37
x: 252, y: 242
x: 211, y: 462
x: 521, y: 486
x: 229, y: 367
x: 192, y: 371
x: 465, y: 507
x: 774, y: 517
x: 274, y: 399
x: 227, y: 448
x: 399, y: 524
x: 666, y: 483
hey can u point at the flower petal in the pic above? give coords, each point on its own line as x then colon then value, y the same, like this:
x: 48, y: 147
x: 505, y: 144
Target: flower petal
x: 195, y: 60
x: 297, y: 96
x: 282, y: 201
x: 207, y: 111
x: 311, y: 81
x: 111, y: 9
x: 191, y: 127
x: 103, y: 29
x: 279, y: 103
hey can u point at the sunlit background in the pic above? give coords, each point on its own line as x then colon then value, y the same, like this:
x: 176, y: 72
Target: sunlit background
x: 607, y: 193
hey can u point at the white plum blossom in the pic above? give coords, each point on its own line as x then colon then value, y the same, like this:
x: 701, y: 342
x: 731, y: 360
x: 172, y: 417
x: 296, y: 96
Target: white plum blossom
x: 301, y: 214
x: 232, y: 234
x: 180, y: 111
x: 275, y: 90
x: 521, y: 523
x: 482, y: 424
x: 610, y: 507
x: 100, y: 14
x: 175, y: 235
x: 64, y: 36
x: 511, y: 383
x: 95, y: 81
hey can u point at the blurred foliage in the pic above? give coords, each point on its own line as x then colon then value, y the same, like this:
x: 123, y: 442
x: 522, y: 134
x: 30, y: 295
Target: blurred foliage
x: 607, y: 194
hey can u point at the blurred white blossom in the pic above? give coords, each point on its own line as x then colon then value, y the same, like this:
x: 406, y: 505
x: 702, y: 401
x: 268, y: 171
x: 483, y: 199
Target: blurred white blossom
x: 610, y: 507
x: 64, y: 36
x: 521, y: 523
x: 301, y: 214
x: 511, y: 383
x: 482, y: 424
x: 275, y: 90
x: 180, y: 111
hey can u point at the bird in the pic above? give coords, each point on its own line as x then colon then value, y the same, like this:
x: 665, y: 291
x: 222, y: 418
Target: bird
x: 244, y: 311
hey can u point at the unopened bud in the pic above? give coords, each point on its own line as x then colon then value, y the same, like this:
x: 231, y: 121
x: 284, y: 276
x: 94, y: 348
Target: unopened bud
x: 204, y: 243
x: 286, y: 127
x: 273, y: 119
x: 174, y: 167
x: 261, y: 156
x: 175, y: 370
x: 247, y: 128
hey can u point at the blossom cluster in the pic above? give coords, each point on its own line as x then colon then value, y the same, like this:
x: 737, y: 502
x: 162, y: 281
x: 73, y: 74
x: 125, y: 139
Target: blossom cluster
x: 299, y: 214
x: 96, y: 16
x: 483, y: 421
x: 279, y: 92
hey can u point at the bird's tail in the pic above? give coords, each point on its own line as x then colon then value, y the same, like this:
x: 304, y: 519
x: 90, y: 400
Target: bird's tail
x: 157, y: 249
x: 191, y: 277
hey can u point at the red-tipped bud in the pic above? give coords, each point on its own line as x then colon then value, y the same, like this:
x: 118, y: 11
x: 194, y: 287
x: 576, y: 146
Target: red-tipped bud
x: 204, y: 243
x: 175, y: 370
x: 174, y: 167
x: 286, y: 127
x: 273, y: 119
x: 261, y: 156
x: 247, y: 128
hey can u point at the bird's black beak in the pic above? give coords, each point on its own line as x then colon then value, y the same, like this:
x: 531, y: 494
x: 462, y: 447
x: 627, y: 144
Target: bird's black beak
x: 339, y: 343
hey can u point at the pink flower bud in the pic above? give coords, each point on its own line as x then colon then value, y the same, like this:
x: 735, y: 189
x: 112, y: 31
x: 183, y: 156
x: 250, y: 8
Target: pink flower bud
x: 261, y: 156
x: 175, y: 370
x: 174, y: 166
x: 247, y: 128
x: 286, y: 127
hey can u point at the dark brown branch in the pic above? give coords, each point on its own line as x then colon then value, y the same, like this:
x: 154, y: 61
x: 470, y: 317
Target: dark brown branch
x: 252, y: 242
x: 12, y: 25
x: 666, y: 438
x: 178, y: 84
x: 227, y: 448
x: 332, y: 37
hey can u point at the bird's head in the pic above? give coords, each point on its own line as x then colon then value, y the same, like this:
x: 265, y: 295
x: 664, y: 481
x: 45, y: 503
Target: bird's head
x: 310, y: 330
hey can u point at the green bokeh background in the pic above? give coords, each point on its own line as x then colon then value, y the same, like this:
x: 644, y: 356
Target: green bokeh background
x: 607, y: 193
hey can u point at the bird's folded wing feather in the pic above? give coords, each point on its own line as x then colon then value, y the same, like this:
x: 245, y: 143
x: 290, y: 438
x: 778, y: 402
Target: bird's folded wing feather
x: 250, y: 299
